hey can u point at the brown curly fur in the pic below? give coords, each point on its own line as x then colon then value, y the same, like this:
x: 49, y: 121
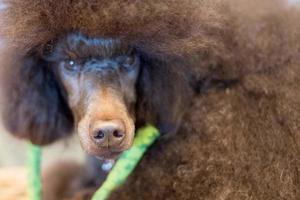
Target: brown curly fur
x: 238, y: 140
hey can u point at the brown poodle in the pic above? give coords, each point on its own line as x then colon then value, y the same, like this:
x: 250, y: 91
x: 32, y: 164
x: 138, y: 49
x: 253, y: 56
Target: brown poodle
x: 223, y: 75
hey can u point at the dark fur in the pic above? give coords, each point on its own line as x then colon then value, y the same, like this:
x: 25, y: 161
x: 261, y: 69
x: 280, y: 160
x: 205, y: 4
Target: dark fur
x: 237, y: 141
x: 34, y: 107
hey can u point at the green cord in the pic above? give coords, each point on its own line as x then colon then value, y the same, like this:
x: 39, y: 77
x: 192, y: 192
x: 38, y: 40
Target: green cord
x: 116, y: 177
x: 127, y: 162
x: 33, y: 172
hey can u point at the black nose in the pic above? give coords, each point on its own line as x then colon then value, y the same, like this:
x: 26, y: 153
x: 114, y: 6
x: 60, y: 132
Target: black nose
x: 107, y: 133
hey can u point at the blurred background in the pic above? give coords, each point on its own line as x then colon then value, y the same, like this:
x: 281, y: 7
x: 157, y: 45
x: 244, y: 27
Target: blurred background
x: 13, y: 151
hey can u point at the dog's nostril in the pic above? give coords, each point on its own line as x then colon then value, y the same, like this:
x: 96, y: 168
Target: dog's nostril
x: 99, y: 135
x: 118, y: 134
x: 108, y: 133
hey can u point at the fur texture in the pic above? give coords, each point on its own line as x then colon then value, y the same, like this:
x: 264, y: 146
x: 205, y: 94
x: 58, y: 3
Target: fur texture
x: 240, y: 138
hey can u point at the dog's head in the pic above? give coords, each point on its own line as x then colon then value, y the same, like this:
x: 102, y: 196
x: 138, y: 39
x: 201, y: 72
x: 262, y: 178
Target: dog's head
x: 98, y: 77
x: 101, y: 88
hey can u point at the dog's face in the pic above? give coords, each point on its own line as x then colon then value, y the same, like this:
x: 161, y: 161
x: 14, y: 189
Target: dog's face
x: 99, y: 79
x: 100, y: 88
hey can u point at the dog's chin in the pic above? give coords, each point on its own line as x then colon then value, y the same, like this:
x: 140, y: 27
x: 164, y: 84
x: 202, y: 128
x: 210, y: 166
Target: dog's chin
x: 108, y: 156
x: 110, y: 153
x: 105, y: 154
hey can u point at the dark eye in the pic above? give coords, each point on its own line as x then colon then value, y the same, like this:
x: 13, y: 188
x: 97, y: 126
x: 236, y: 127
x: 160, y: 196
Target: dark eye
x: 128, y: 62
x: 71, y: 65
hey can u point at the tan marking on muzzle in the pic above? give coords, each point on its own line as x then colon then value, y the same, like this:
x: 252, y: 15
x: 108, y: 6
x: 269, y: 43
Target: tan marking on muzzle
x: 106, y: 105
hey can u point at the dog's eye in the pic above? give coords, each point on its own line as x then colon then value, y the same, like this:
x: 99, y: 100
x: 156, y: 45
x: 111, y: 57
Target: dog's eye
x: 71, y: 65
x: 128, y: 61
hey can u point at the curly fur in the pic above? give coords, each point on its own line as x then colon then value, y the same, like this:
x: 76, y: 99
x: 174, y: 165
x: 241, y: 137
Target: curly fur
x: 240, y: 138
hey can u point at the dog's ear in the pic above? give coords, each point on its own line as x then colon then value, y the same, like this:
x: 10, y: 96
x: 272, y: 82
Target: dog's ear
x: 34, y: 108
x: 163, y: 93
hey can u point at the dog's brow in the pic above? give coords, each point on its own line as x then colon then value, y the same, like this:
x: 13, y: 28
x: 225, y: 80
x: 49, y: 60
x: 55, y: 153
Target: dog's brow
x: 79, y: 46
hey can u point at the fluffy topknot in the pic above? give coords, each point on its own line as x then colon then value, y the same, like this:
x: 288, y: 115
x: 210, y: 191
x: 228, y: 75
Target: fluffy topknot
x: 233, y: 36
x: 154, y: 26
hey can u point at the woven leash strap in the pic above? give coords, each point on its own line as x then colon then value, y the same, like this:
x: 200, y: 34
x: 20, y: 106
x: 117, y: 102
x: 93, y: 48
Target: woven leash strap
x: 33, y: 172
x: 123, y: 167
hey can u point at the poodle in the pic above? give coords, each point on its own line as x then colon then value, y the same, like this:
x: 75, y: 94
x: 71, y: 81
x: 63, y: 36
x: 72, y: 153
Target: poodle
x: 219, y: 79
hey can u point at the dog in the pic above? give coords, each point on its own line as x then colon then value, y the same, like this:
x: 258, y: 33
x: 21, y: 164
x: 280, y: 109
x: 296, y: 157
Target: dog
x: 103, y: 69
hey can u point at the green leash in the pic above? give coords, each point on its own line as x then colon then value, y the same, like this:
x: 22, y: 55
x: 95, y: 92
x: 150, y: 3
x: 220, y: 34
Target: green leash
x: 33, y: 172
x: 116, y: 177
